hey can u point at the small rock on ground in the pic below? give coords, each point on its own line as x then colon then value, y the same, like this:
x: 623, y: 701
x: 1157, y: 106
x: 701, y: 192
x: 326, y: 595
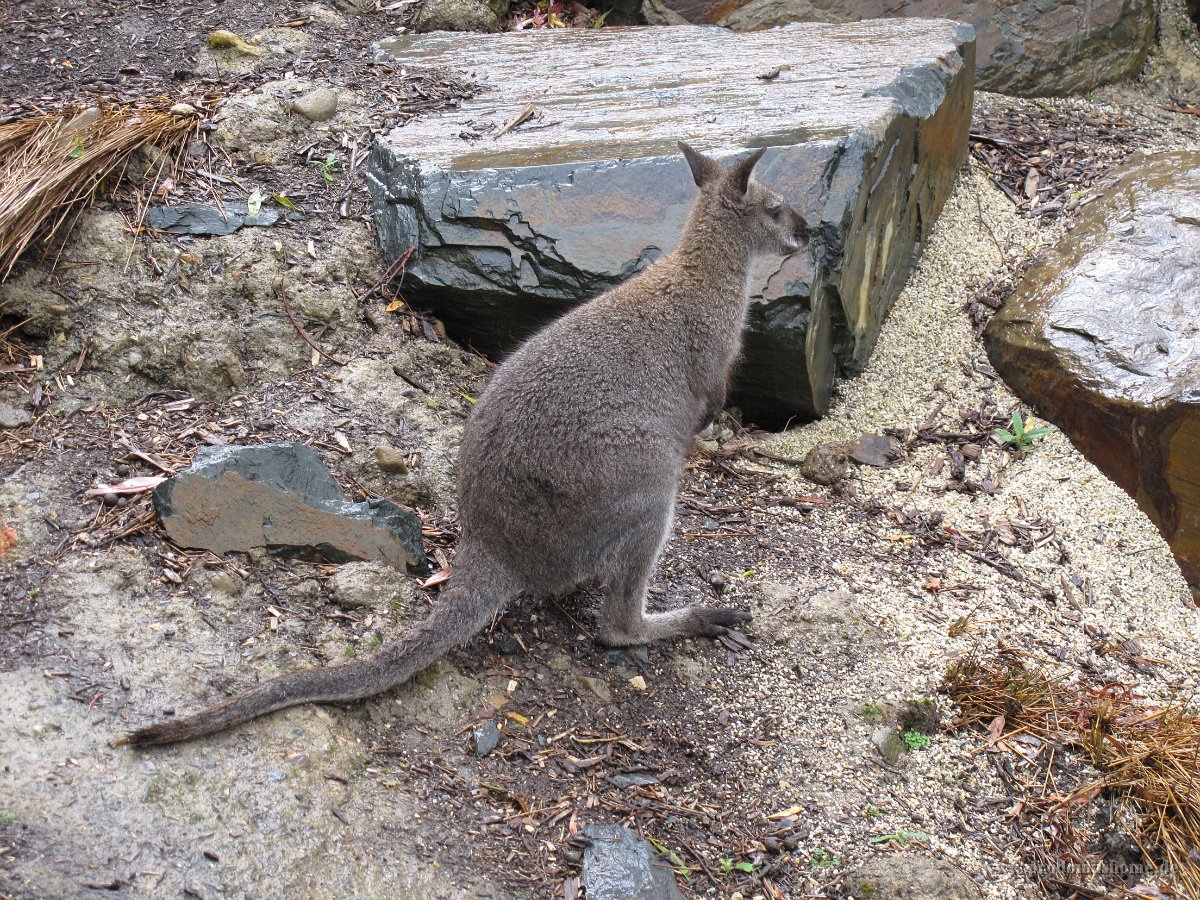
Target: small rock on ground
x: 318, y: 105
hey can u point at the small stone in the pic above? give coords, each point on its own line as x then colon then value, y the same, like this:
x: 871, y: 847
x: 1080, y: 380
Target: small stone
x: 826, y: 463
x: 889, y: 743
x: 389, y: 459
x: 484, y: 739
x: 456, y: 15
x: 596, y: 686
x: 912, y: 876
x: 638, y: 683
x: 318, y: 105
x: 225, y: 583
x: 633, y: 779
x: 506, y: 644
x: 367, y: 584
x: 183, y: 109
x: 618, y: 656
x: 14, y: 416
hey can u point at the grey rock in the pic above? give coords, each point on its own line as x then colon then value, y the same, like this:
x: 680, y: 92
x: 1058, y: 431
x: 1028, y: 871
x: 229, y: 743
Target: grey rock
x: 597, y: 687
x: 1101, y: 337
x: 199, y: 219
x: 319, y: 105
x: 225, y: 583
x: 826, y: 463
x: 633, y: 779
x: 456, y: 15
x: 889, y: 743
x: 909, y: 876
x: 506, y: 644
x: 618, y: 864
x: 371, y: 583
x: 389, y: 459
x: 655, y: 12
x: 1031, y: 48
x: 484, y: 739
x: 14, y: 416
x: 865, y: 132
x: 281, y: 496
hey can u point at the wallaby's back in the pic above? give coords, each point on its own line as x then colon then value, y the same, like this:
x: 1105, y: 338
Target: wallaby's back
x: 571, y: 458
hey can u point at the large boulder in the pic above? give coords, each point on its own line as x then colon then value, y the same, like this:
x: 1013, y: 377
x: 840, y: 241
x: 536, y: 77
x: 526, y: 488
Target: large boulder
x: 1103, y: 337
x: 866, y: 127
x: 1028, y: 47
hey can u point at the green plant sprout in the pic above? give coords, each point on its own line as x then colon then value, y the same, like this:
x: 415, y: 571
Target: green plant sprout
x: 1019, y: 437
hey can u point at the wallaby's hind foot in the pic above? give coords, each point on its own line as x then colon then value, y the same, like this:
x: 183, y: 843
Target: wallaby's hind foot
x: 712, y: 621
x: 691, y: 621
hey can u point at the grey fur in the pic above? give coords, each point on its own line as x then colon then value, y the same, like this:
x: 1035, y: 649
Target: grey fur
x: 572, y: 457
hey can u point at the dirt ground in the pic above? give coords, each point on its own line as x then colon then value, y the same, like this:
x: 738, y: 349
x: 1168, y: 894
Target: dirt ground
x: 761, y: 770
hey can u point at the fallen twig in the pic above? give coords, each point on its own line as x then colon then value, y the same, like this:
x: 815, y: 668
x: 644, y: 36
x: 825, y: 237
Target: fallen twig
x: 300, y: 331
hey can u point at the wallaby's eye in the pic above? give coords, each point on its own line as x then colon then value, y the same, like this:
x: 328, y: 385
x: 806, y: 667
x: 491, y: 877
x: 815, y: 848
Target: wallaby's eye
x: 775, y: 212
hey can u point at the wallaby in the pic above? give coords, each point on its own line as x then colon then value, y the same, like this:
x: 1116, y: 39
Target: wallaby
x: 571, y: 459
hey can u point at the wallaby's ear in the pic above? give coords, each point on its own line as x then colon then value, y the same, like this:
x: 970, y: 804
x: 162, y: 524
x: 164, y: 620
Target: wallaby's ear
x: 739, y: 175
x: 704, y: 170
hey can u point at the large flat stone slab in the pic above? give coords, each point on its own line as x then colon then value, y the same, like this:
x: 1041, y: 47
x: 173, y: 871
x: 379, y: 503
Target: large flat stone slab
x: 1103, y: 337
x: 866, y: 125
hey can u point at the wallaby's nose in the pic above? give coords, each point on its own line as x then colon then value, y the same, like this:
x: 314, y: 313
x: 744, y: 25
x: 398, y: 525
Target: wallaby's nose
x: 801, y: 230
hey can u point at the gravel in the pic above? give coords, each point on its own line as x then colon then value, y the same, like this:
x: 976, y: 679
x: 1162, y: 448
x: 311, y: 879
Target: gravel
x: 894, y: 645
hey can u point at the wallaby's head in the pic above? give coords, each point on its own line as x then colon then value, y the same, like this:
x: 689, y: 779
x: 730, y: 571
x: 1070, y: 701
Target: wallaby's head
x: 757, y: 214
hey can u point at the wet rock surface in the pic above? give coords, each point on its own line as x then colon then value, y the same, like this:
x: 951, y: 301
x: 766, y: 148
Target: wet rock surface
x: 282, y: 497
x: 618, y: 864
x: 1101, y: 337
x: 1031, y: 48
x: 866, y: 126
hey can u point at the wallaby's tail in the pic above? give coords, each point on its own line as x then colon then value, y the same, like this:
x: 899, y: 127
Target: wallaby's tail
x: 462, y: 611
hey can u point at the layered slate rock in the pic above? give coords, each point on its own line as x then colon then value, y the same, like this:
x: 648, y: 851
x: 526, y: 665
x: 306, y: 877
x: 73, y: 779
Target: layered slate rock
x: 1031, y: 48
x: 281, y: 497
x: 1103, y: 337
x: 866, y: 125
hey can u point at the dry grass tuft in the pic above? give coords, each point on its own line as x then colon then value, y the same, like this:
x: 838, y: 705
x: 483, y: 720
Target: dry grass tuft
x: 1148, y: 758
x: 53, y: 164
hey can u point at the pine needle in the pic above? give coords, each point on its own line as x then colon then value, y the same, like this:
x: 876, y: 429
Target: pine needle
x: 1149, y: 757
x: 53, y: 165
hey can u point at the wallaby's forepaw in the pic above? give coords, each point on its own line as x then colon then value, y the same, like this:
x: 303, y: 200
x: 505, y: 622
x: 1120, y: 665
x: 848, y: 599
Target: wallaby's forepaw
x: 715, y: 621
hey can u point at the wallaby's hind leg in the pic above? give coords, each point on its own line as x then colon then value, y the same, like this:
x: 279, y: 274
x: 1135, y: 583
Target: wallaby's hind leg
x: 624, y: 620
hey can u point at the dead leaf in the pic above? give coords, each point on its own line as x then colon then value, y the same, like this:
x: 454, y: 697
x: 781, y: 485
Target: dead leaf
x: 138, y: 485
x: 441, y: 575
x: 1031, y: 183
x: 8, y: 538
x: 875, y: 450
x: 995, y: 730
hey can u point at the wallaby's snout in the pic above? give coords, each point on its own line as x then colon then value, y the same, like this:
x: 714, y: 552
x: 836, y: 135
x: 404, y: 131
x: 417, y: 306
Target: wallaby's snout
x: 797, y: 228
